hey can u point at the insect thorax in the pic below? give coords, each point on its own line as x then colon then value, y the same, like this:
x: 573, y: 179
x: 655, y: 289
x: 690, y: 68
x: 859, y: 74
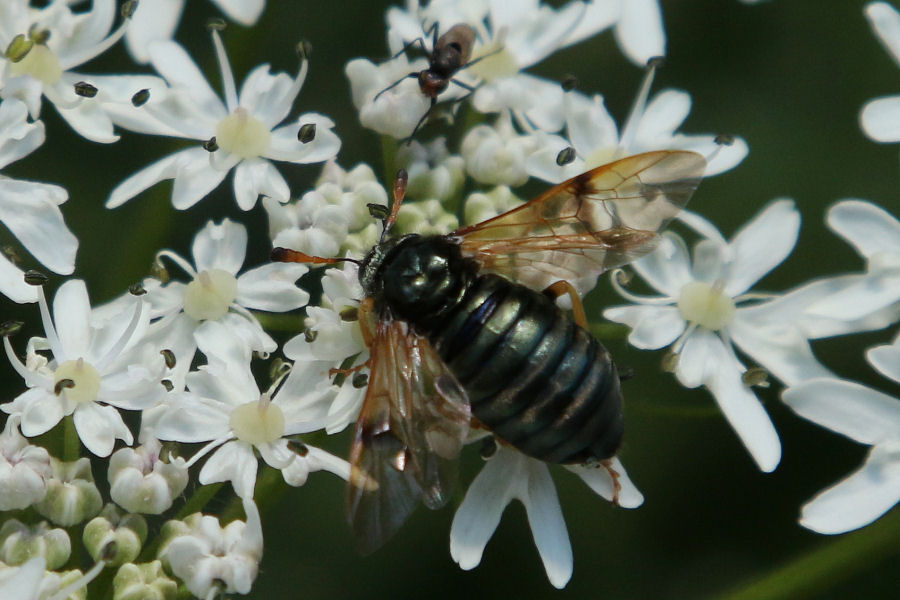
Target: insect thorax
x: 419, y: 279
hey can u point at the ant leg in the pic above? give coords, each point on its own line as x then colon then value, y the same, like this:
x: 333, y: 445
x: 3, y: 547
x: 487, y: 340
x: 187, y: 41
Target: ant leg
x: 395, y: 84
x: 561, y: 287
x: 464, y: 86
x: 480, y: 58
x: 409, y: 45
x: 415, y: 130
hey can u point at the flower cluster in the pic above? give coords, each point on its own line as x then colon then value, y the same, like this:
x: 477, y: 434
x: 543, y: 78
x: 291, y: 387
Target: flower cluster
x: 164, y: 380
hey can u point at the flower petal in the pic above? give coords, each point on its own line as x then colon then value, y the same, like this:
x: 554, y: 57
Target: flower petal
x: 856, y: 411
x: 99, y: 427
x: 272, y: 287
x: 885, y: 21
x: 234, y: 462
x: 255, y: 178
x: 652, y: 327
x: 71, y: 318
x: 858, y: 499
x: 886, y: 360
x: 149, y: 24
x: 222, y: 246
x: 880, y: 119
x: 639, y: 31
x: 31, y: 211
x: 547, y: 524
x: 761, y: 244
x: 601, y: 482
x: 868, y: 228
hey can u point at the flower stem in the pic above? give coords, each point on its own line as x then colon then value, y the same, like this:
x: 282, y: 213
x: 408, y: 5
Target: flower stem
x: 389, y: 158
x: 826, y: 566
x: 71, y: 444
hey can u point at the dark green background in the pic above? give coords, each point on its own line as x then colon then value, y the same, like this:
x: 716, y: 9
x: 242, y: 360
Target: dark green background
x: 790, y: 77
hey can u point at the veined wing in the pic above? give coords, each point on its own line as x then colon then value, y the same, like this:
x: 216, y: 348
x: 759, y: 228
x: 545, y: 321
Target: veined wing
x: 601, y: 219
x: 412, y: 425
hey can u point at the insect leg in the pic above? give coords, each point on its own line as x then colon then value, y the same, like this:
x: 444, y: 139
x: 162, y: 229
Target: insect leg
x: 415, y: 130
x: 617, y: 487
x: 395, y: 84
x: 465, y: 86
x: 561, y: 287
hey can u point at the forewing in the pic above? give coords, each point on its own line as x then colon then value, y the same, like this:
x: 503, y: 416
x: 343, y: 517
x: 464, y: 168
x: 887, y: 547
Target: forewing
x: 410, y: 430
x: 599, y: 220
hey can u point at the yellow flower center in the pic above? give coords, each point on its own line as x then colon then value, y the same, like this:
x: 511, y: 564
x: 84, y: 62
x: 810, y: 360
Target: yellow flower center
x: 210, y: 294
x: 243, y: 134
x: 257, y: 422
x: 706, y: 305
x: 78, y: 380
x: 495, y: 66
x: 41, y: 63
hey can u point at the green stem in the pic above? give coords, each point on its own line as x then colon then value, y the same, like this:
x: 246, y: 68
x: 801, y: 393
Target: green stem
x: 389, y: 158
x: 71, y: 443
x: 831, y: 563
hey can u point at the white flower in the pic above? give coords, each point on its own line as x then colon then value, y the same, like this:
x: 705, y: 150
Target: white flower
x: 30, y: 209
x: 705, y: 307
x: 225, y: 407
x: 58, y: 40
x: 875, y: 234
x: 208, y: 556
x: 19, y: 542
x: 217, y: 294
x: 24, y: 469
x: 880, y: 118
x: 869, y: 417
x: 638, y: 27
x: 426, y: 217
x: 141, y: 482
x: 92, y: 372
x: 245, y: 128
x: 510, y: 475
x: 592, y: 133
x: 158, y: 19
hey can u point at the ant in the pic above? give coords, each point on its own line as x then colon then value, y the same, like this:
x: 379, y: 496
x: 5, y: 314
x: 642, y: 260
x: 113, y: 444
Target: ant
x: 450, y: 53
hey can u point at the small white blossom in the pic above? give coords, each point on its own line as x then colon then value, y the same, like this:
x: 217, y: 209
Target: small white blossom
x: 61, y: 40
x: 92, y: 372
x: 875, y: 235
x: 866, y: 416
x: 158, y: 19
x: 433, y: 172
x: 245, y: 128
x: 23, y: 582
x: 706, y: 306
x: 28, y: 208
x: 24, y: 469
x: 426, y: 217
x: 207, y: 555
x: 510, y: 475
x: 481, y: 206
x: 217, y: 293
x: 142, y: 482
x: 225, y: 408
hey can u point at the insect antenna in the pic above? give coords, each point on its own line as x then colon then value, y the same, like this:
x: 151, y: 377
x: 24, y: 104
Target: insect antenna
x: 400, y: 183
x: 287, y: 255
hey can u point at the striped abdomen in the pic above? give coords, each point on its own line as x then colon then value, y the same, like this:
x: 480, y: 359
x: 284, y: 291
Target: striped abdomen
x: 534, y: 377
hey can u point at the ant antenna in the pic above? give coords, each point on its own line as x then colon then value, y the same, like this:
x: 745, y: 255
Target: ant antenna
x: 287, y: 255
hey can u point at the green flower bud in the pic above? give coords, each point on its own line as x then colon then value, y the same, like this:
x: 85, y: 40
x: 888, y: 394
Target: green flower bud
x: 20, y: 542
x: 72, y: 496
x: 145, y: 581
x: 128, y: 531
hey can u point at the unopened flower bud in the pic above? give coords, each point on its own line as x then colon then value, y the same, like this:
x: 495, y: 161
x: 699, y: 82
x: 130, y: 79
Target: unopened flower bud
x: 20, y: 542
x: 145, y: 581
x: 142, y: 482
x: 24, y: 469
x: 72, y: 496
x: 126, y: 531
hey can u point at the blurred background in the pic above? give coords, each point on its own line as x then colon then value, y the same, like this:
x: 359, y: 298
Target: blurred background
x: 788, y: 76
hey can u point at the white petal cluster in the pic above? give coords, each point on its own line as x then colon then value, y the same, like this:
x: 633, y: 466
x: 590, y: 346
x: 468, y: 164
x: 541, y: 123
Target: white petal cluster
x: 207, y: 556
x: 142, y: 482
x: 243, y: 132
x: 880, y: 118
x: 868, y: 417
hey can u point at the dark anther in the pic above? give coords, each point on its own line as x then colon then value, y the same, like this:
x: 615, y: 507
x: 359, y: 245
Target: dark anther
x: 378, y: 211
x: 310, y: 336
x: 351, y: 313
x: 565, y: 156
x: 168, y: 385
x: 9, y: 328
x: 307, y: 133
x: 656, y: 62
x: 140, y: 97
x: 33, y: 277
x: 38, y: 35
x: 569, y: 83
x: 360, y: 380
x: 304, y: 49
x: 216, y: 24
x: 85, y: 89
x: 724, y: 139
x: 63, y: 384
x: 298, y: 448
x: 128, y: 8
x: 211, y: 145
x: 169, y: 357
x: 136, y: 289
